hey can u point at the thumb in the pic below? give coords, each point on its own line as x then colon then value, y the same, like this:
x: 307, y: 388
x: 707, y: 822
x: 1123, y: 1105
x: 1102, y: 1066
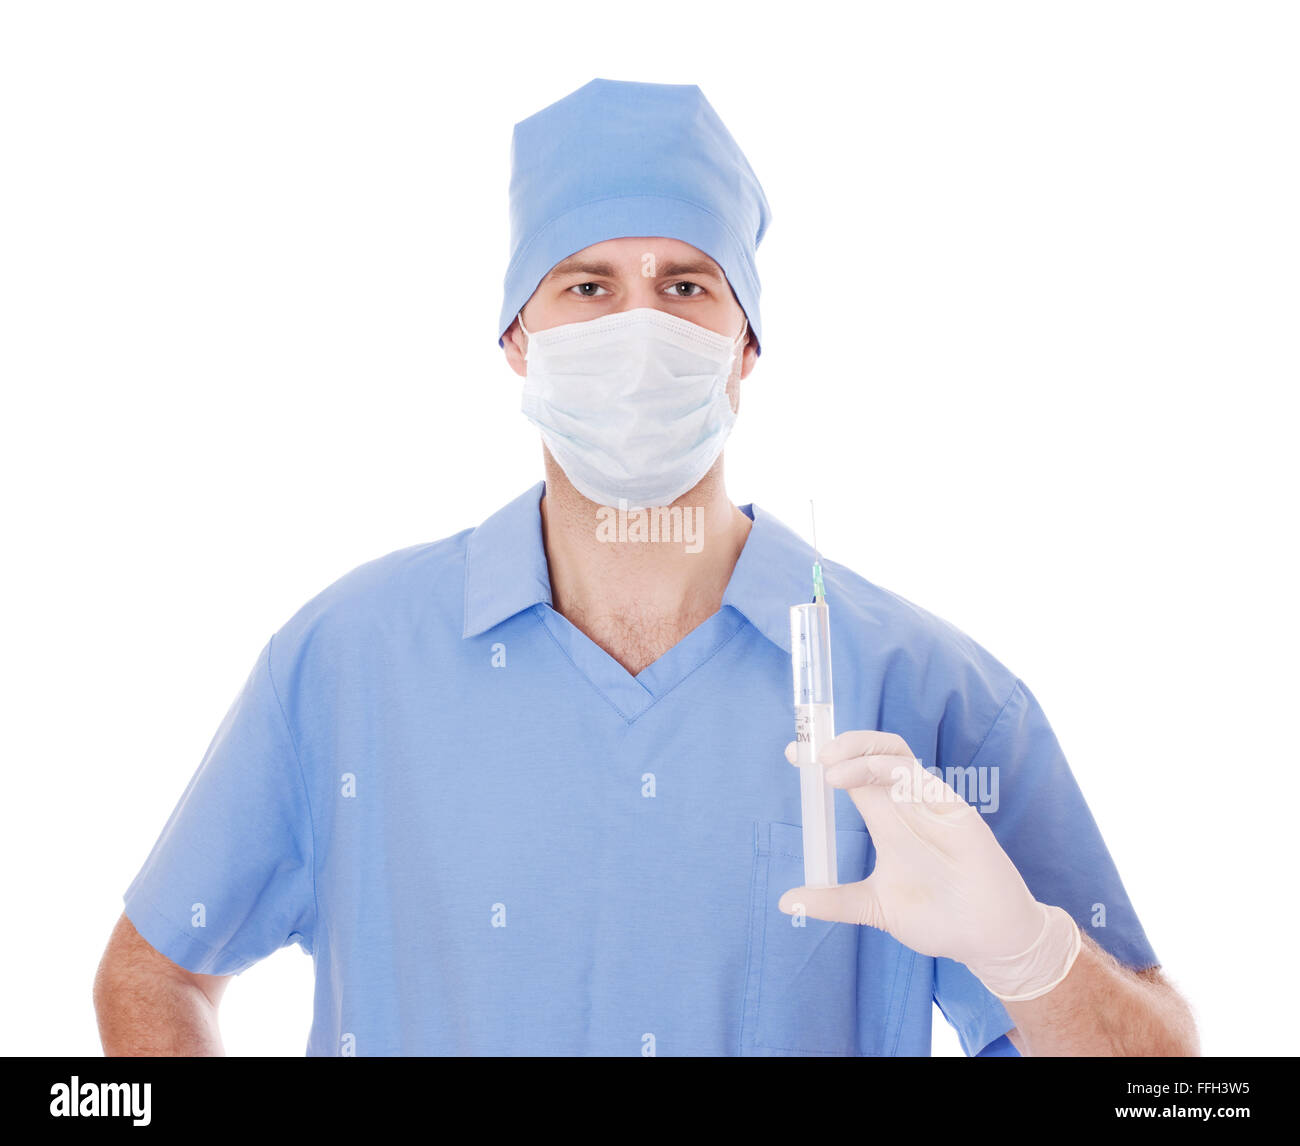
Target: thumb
x: 848, y: 903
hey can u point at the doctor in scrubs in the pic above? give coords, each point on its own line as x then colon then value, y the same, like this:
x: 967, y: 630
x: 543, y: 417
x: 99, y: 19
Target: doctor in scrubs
x: 527, y: 789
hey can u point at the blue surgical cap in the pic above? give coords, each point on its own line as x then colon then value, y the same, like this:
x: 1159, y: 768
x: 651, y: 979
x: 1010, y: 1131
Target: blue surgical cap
x: 616, y: 159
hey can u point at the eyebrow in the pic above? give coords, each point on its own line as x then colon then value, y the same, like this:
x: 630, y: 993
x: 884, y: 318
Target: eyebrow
x: 671, y: 269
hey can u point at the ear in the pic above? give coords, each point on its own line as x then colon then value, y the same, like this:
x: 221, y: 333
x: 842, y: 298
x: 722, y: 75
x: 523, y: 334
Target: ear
x: 749, y: 355
x: 515, y: 343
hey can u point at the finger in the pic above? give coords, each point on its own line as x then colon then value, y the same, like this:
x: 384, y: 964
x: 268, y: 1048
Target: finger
x: 792, y: 752
x: 939, y: 799
x: 860, y: 771
x: 903, y: 809
x: 848, y: 903
x: 929, y: 792
x: 906, y: 779
x: 863, y: 742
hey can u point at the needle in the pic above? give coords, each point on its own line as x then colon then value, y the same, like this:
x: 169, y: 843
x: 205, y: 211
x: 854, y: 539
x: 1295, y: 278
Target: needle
x: 819, y: 587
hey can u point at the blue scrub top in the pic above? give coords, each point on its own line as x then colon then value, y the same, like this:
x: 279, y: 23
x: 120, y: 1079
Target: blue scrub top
x: 493, y: 839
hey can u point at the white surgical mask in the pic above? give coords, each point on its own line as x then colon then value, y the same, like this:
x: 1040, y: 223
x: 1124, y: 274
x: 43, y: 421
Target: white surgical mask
x: 632, y: 405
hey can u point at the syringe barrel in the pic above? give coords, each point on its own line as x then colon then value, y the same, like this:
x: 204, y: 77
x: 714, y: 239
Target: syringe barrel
x: 814, y: 711
x: 810, y: 645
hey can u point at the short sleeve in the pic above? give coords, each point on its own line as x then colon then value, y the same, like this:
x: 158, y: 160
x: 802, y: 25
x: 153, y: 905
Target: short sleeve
x: 971, y: 1009
x: 1039, y: 816
x: 230, y: 879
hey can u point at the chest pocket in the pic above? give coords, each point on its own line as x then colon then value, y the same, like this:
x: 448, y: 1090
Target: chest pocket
x: 820, y: 988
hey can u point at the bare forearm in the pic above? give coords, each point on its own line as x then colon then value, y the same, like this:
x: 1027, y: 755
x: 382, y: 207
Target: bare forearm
x: 154, y: 1016
x: 1103, y: 1008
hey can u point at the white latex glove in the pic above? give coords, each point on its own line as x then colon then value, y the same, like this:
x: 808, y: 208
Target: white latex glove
x: 942, y: 884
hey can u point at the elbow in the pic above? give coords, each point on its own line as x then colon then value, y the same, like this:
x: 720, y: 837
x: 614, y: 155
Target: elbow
x: 108, y: 998
x: 1185, y: 1039
x: 1177, y: 1036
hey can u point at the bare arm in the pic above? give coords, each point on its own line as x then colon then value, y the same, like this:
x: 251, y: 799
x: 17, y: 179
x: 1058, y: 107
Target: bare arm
x: 1103, y: 1008
x: 148, y: 1005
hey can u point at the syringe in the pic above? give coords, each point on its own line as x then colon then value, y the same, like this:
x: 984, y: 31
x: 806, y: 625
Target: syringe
x: 814, y: 721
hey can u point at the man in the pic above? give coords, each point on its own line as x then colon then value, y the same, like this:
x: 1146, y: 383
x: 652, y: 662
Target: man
x: 519, y: 791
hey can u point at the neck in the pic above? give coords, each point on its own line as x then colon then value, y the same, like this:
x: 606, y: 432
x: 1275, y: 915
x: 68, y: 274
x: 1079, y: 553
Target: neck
x: 603, y: 568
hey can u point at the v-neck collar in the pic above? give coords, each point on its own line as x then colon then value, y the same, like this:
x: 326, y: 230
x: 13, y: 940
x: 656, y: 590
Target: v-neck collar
x: 506, y: 573
x: 630, y: 696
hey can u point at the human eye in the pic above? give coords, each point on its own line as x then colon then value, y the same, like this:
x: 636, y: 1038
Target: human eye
x: 695, y: 289
x: 582, y: 291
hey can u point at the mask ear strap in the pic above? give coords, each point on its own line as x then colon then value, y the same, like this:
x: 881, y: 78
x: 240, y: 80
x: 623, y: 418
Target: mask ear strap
x: 520, y: 317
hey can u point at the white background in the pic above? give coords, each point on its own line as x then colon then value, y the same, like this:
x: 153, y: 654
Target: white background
x: 1030, y: 301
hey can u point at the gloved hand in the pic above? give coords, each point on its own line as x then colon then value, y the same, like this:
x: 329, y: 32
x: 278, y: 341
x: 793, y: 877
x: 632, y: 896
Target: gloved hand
x: 942, y: 884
